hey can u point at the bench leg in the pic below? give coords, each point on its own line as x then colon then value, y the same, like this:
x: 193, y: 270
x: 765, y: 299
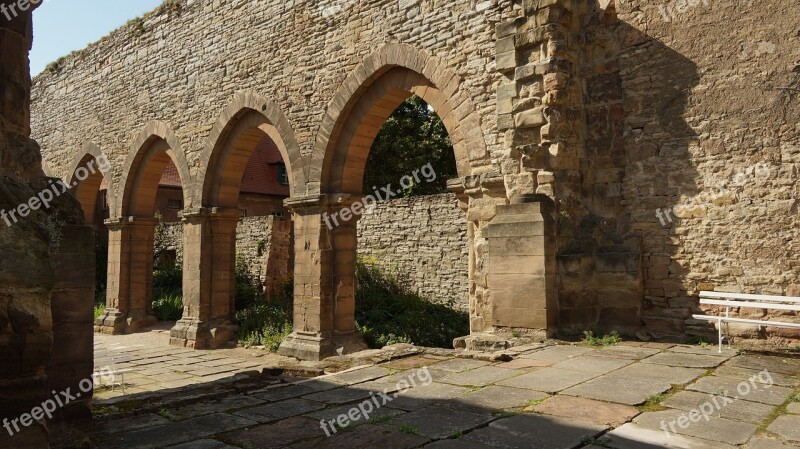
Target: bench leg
x: 720, y: 335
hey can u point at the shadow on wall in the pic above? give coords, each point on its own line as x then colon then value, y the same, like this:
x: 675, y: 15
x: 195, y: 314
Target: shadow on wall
x: 615, y: 254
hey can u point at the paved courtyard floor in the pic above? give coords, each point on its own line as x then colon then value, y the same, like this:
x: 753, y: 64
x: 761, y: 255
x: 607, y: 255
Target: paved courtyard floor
x: 629, y: 396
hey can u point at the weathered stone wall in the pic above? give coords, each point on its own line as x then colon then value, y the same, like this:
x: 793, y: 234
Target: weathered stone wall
x: 423, y: 241
x: 263, y: 243
x: 46, y: 292
x: 614, y: 111
x: 707, y: 98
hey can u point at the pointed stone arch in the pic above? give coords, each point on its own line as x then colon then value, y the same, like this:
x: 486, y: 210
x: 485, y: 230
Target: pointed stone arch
x: 86, y: 190
x: 371, y: 93
x: 247, y: 118
x: 152, y: 148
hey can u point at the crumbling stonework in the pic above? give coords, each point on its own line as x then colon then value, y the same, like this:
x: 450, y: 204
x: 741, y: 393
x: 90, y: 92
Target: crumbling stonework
x: 573, y: 122
x: 46, y: 267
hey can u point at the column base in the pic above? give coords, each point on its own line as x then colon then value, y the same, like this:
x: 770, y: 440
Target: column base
x: 196, y: 334
x: 314, y: 347
x: 115, y: 322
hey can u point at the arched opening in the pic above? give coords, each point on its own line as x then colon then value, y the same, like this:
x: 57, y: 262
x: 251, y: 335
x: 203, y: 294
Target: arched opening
x: 247, y: 175
x: 89, y: 185
x: 411, y: 273
x: 150, y: 181
x: 326, y: 226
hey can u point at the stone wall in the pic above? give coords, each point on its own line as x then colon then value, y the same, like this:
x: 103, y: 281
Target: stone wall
x: 613, y: 112
x: 47, y: 265
x: 423, y: 241
x: 263, y: 243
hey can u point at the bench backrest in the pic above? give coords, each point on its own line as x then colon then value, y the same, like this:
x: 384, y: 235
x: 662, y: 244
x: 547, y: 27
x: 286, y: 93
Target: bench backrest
x: 751, y: 301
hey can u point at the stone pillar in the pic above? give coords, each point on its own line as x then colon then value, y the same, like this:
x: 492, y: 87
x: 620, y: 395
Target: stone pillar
x: 209, y: 279
x: 522, y: 265
x: 324, y: 273
x: 129, y: 301
x: 71, y: 360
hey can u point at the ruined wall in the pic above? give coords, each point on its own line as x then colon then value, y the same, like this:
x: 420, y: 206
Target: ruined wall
x: 146, y: 71
x: 616, y: 112
x: 423, y: 241
x: 711, y: 125
x: 263, y: 243
x: 45, y: 285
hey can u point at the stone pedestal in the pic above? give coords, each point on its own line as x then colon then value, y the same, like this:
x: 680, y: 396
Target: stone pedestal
x: 209, y: 279
x: 522, y: 266
x: 129, y: 301
x: 324, y: 293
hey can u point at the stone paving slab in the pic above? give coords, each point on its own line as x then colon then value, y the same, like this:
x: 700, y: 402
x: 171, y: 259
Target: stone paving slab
x: 602, y: 413
x: 203, y: 444
x: 626, y: 352
x: 634, y: 384
x: 710, y: 350
x: 480, y: 377
x: 427, y: 395
x: 556, y: 353
x: 773, y: 364
x: 548, y: 380
x: 378, y: 413
x: 413, y: 362
x: 289, y: 391
x: 688, y: 360
x: 279, y: 410
x: 501, y: 398
x: 174, y: 433
x: 521, y: 363
x: 783, y: 380
x: 590, y: 364
x: 788, y: 427
x: 715, y: 429
x: 459, y: 365
x: 535, y: 432
x: 359, y: 375
x: 633, y: 436
x: 742, y: 389
x: 368, y: 436
x: 439, y: 421
x: 747, y: 411
x: 223, y: 404
x: 456, y: 443
x: 794, y: 408
x: 282, y: 434
x: 767, y: 443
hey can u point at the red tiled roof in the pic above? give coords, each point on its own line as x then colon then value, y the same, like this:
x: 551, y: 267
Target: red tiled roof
x: 260, y: 176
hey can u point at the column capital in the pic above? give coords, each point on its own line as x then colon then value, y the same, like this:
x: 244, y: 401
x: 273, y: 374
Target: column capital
x: 213, y: 213
x: 117, y: 223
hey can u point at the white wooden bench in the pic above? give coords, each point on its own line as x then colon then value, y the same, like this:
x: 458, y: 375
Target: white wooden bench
x: 739, y: 300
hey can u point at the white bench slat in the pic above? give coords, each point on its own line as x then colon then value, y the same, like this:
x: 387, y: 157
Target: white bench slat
x: 747, y: 296
x: 748, y: 321
x: 753, y: 305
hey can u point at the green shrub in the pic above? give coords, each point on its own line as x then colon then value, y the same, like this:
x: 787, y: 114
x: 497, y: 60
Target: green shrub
x: 601, y: 340
x: 266, y: 322
x: 388, y: 313
x: 98, y: 310
x: 168, y: 281
x: 168, y: 308
x: 249, y: 290
x: 101, y: 266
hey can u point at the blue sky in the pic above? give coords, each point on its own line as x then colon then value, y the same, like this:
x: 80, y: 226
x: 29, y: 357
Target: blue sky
x: 62, y: 26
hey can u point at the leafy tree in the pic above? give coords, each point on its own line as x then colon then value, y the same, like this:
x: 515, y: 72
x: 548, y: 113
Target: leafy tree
x: 412, y: 137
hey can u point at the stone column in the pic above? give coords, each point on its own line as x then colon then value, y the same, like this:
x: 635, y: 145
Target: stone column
x: 522, y: 265
x: 324, y: 292
x: 209, y: 279
x: 129, y: 301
